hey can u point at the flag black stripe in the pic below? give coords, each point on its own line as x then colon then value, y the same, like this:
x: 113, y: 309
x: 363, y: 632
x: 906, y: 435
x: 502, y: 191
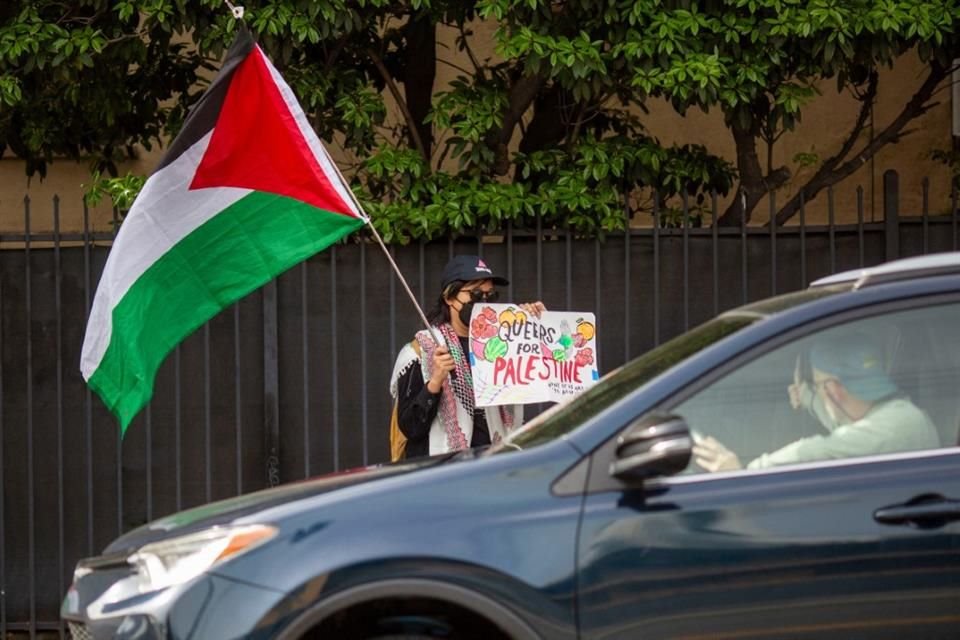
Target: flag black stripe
x: 203, y: 116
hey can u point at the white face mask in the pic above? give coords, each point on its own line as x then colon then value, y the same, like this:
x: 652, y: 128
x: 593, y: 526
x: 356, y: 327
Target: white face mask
x: 819, y: 411
x: 830, y: 419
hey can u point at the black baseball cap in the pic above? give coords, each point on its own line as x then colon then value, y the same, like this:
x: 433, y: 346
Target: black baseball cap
x: 468, y: 268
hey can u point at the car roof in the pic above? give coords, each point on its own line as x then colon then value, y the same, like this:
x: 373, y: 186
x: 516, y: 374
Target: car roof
x: 933, y: 264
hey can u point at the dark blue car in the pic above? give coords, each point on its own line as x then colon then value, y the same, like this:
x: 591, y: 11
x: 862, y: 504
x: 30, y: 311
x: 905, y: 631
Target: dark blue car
x: 788, y: 469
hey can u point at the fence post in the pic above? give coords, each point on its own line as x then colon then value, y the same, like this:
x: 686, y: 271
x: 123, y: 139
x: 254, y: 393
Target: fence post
x: 891, y: 213
x: 271, y: 384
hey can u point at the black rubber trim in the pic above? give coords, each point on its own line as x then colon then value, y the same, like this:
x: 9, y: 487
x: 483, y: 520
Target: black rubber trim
x: 504, y: 618
x: 573, y: 481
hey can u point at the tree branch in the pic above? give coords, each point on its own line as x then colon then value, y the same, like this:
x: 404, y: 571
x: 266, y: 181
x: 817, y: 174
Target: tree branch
x: 866, y: 108
x: 411, y: 123
x: 455, y: 66
x: 124, y: 37
x: 335, y: 52
x: 830, y: 174
x: 574, y: 133
x: 522, y: 94
x: 466, y: 47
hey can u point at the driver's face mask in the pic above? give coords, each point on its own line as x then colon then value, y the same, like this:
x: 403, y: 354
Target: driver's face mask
x: 818, y: 410
x: 818, y: 407
x: 814, y: 404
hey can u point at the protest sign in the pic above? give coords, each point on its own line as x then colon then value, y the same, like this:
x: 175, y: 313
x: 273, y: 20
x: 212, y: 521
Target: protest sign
x: 517, y: 358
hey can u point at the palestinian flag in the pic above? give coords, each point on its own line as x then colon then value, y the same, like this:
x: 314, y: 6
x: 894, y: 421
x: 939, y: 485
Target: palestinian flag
x: 245, y: 192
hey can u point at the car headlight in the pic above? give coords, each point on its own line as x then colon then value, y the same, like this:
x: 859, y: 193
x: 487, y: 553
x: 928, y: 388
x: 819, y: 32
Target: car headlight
x: 179, y: 560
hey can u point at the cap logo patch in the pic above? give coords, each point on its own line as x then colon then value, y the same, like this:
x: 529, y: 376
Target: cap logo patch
x: 481, y: 266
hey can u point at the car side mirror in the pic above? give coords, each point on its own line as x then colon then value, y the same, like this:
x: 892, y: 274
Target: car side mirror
x: 658, y: 445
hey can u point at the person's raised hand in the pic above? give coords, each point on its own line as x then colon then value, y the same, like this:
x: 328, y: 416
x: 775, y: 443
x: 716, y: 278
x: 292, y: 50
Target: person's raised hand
x: 795, y: 390
x: 443, y: 364
x: 713, y: 456
x: 533, y: 308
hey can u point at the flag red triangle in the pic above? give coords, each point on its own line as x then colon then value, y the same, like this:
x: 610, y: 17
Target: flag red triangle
x: 256, y: 144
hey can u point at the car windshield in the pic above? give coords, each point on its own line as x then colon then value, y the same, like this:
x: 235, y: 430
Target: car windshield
x: 565, y: 417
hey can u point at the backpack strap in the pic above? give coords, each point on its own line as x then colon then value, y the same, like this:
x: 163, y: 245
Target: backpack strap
x: 398, y: 441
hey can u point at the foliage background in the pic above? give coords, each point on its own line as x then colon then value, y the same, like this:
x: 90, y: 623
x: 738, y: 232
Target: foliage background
x: 551, y: 125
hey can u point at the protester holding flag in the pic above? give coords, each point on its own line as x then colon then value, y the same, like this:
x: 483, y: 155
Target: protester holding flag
x: 432, y: 383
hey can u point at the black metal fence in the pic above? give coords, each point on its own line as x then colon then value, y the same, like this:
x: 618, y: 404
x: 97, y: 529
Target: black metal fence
x: 292, y: 381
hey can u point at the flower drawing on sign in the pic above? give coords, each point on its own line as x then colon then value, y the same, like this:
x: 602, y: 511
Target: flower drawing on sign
x: 485, y: 343
x: 584, y: 357
x: 571, y: 345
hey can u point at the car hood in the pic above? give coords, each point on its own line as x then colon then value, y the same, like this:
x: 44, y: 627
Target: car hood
x: 227, y: 511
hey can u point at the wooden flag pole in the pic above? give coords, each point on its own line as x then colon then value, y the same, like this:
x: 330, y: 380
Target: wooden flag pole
x: 426, y: 323
x: 403, y: 280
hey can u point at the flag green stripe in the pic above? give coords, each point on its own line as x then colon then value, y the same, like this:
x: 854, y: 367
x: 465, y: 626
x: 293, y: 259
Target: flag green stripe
x: 241, y: 248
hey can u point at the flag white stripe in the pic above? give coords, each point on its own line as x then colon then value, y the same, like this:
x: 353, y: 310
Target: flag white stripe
x: 164, y: 213
x: 319, y: 152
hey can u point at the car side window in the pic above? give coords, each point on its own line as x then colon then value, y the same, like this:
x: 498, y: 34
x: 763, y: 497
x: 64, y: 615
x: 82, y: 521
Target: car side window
x: 876, y: 385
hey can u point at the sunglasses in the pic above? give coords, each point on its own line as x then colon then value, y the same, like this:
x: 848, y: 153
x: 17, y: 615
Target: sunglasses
x: 476, y: 295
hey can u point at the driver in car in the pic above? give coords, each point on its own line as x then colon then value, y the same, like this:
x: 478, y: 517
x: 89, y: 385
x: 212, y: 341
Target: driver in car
x: 853, y: 398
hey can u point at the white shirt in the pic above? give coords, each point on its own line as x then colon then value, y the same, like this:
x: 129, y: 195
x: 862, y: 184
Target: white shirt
x: 889, y: 427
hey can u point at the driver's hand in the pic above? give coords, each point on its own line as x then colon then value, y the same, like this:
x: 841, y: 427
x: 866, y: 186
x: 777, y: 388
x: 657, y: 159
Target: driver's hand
x: 713, y: 456
x: 797, y: 389
x: 796, y: 393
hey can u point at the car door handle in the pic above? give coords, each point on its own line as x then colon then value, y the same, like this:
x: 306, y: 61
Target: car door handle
x: 924, y: 512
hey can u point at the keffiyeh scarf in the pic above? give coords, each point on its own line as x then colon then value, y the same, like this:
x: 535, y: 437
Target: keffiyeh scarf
x: 458, y: 390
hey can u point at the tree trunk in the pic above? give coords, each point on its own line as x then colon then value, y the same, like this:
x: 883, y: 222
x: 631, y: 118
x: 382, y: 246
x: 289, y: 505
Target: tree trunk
x: 830, y: 174
x: 753, y: 184
x: 401, y: 103
x: 522, y: 93
x: 547, y: 127
x: 419, y: 72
